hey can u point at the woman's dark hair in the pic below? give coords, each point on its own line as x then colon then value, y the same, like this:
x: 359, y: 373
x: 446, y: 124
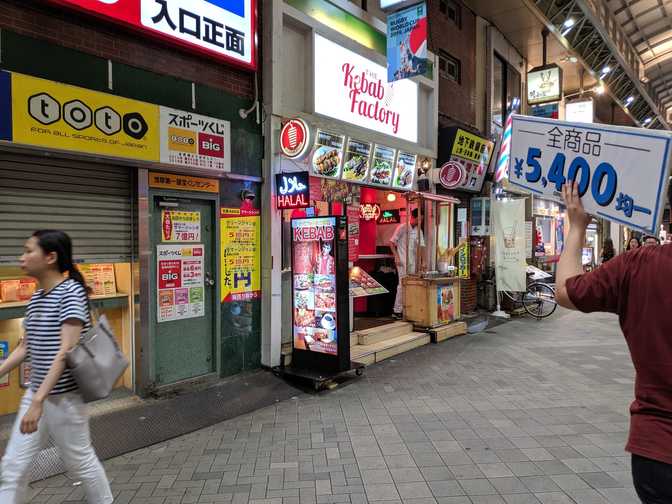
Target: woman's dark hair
x: 629, y: 247
x: 608, y: 249
x: 51, y: 240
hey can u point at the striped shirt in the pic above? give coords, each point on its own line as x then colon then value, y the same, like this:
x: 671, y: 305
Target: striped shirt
x: 45, y: 315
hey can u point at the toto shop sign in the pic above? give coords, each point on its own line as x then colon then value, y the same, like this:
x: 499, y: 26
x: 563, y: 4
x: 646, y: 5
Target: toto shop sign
x: 351, y: 88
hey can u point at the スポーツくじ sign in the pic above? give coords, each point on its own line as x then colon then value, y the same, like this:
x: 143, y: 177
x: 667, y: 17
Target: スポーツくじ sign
x: 622, y: 172
x: 224, y: 29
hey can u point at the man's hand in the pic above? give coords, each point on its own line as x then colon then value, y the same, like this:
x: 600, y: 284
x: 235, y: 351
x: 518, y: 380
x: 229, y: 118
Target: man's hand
x: 578, y: 218
x: 31, y: 418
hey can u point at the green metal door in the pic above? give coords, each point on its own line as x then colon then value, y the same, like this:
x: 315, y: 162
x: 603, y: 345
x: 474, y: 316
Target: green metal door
x: 183, y: 309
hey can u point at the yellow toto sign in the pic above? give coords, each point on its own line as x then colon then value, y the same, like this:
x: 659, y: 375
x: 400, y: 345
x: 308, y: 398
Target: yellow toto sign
x: 60, y: 116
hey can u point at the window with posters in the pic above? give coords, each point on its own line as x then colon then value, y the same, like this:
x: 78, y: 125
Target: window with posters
x: 314, y: 285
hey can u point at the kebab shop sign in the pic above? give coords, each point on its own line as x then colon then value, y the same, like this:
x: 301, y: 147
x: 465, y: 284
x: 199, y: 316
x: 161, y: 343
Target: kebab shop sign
x: 351, y: 88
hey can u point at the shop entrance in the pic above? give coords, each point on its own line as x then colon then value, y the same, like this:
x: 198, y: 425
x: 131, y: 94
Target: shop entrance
x: 183, y: 293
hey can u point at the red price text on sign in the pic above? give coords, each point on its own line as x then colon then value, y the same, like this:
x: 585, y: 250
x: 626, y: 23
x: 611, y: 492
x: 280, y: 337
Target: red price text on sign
x: 170, y: 274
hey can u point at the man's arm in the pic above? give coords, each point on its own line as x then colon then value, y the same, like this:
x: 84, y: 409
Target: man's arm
x: 570, y: 261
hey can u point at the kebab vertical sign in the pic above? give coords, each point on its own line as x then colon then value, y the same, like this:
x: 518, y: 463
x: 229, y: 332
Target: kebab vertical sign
x: 622, y: 172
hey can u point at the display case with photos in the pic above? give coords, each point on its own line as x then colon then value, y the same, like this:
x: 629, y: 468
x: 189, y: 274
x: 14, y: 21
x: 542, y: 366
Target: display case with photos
x: 111, y: 287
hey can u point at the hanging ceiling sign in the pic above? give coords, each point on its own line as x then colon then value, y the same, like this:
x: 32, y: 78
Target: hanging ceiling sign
x: 579, y: 111
x: 224, y: 29
x: 294, y: 138
x: 544, y: 84
x: 293, y: 190
x: 354, y: 89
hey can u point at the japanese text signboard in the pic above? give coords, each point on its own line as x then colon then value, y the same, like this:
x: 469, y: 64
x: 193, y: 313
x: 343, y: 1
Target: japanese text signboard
x: 240, y: 259
x: 467, y: 161
x: 183, y: 182
x: 622, y: 172
x: 179, y: 226
x: 189, y: 139
x: 180, y: 282
x: 224, y: 29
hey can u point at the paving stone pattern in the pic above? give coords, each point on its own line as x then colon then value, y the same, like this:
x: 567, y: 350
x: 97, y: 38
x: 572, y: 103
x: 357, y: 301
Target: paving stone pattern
x: 529, y: 412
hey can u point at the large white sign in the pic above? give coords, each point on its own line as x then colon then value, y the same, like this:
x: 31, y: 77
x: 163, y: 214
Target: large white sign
x: 354, y: 89
x: 622, y: 172
x: 194, y: 140
x: 225, y: 27
x: 579, y: 111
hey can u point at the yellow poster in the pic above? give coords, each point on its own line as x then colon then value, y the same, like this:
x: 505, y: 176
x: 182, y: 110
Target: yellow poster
x: 472, y: 147
x: 240, y: 258
x: 463, y: 270
x: 50, y: 114
x: 180, y: 226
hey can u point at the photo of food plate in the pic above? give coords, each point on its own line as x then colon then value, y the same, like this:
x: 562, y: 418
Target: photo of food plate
x: 404, y: 176
x: 304, y: 318
x: 304, y: 300
x: 303, y: 282
x: 326, y: 161
x: 325, y: 301
x: 356, y: 167
x: 381, y: 172
x: 325, y: 282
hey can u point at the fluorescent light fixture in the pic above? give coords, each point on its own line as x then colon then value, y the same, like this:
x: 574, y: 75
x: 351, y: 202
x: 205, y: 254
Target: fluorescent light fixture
x: 567, y: 25
x: 599, y: 89
x: 629, y: 100
x: 647, y: 121
x: 605, y: 71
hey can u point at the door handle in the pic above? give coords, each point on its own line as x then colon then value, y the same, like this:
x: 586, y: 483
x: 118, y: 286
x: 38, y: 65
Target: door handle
x: 209, y: 280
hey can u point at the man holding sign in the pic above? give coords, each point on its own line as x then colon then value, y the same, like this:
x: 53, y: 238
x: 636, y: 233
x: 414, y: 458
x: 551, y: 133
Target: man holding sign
x: 635, y: 285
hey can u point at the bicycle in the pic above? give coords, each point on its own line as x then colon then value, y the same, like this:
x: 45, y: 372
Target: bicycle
x: 538, y: 300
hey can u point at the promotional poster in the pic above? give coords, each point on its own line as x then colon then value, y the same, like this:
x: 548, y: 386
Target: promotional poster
x: 314, y: 279
x: 407, y: 43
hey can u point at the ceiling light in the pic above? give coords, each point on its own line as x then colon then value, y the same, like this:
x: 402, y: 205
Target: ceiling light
x: 572, y: 59
x: 599, y: 89
x: 647, y: 121
x: 391, y: 197
x: 605, y: 71
x: 629, y: 100
x: 567, y: 25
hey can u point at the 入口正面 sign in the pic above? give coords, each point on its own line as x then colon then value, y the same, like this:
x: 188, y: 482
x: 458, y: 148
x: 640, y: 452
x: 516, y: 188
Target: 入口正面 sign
x: 293, y: 190
x: 294, y: 138
x: 224, y: 29
x: 60, y: 116
x: 180, y: 282
x: 621, y: 172
x: 354, y: 89
x: 544, y: 84
x: 407, y: 43
x: 189, y: 139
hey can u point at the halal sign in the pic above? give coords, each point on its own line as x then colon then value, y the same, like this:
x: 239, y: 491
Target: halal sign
x: 293, y: 190
x: 451, y: 174
x: 294, y: 138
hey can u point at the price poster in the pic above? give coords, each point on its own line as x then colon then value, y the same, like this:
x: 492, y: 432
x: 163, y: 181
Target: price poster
x: 621, y: 172
x: 240, y: 257
x: 4, y: 354
x: 180, y: 282
x: 179, y: 226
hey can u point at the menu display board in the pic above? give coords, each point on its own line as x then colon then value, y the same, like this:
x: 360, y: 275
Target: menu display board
x: 315, y: 315
x: 100, y: 278
x: 328, y: 154
x: 383, y: 164
x: 357, y: 160
x: 180, y: 282
x: 362, y: 284
x: 405, y: 170
x: 353, y: 232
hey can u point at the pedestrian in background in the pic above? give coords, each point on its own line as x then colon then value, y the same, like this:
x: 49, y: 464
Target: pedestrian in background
x: 650, y: 241
x: 633, y: 244
x: 56, y: 316
x: 608, y: 252
x: 636, y: 287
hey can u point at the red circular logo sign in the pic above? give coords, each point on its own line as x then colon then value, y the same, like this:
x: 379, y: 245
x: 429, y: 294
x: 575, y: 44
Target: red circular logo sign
x: 451, y: 174
x: 294, y: 138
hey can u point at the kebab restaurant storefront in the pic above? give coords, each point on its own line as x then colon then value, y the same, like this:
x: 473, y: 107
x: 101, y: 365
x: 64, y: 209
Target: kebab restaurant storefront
x: 349, y: 164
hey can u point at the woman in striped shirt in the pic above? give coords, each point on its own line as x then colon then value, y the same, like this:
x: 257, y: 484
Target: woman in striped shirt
x: 56, y: 316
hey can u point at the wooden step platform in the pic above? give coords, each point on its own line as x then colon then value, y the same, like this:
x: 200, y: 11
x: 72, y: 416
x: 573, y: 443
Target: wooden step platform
x: 448, y: 331
x: 381, y: 350
x: 380, y: 333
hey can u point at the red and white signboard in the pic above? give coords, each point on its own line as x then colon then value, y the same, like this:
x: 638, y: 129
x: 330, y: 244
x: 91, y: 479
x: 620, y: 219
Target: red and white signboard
x: 294, y: 138
x: 180, y: 282
x: 451, y: 174
x: 224, y: 29
x: 354, y: 89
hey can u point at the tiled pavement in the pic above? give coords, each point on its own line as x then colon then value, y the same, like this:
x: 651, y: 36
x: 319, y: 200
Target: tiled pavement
x: 530, y: 412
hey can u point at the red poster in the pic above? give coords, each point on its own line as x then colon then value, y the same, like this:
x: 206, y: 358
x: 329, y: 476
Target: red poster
x: 353, y: 233
x: 170, y: 274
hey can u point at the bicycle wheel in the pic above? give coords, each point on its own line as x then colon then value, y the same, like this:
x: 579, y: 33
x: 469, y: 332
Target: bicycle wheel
x: 539, y: 300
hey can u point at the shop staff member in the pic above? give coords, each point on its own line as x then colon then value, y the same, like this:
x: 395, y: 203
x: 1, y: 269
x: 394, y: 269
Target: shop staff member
x: 636, y: 286
x: 405, y: 235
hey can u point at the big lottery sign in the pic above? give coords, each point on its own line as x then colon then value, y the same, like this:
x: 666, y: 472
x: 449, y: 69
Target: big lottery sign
x: 622, y: 172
